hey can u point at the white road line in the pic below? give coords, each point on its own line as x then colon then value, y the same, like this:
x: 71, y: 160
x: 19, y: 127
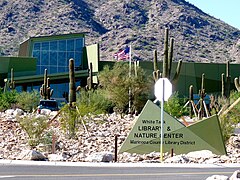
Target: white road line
x: 6, y: 177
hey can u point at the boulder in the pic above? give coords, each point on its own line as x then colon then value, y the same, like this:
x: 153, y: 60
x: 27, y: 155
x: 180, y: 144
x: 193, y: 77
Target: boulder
x: 235, y: 141
x: 100, y: 157
x: 9, y: 111
x: 217, y: 177
x: 56, y: 157
x: 177, y: 159
x: 235, y: 176
x: 31, y: 155
x: 18, y: 112
x: 203, y: 154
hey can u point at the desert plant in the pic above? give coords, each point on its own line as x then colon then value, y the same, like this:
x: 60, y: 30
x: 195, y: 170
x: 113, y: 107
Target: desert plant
x: 68, y: 120
x: 28, y: 101
x: 168, y: 58
x: 116, y: 82
x: 45, y: 91
x: 12, y: 82
x: 226, y: 82
x: 7, y: 99
x: 174, y: 106
x: 228, y: 121
x: 94, y: 102
x: 34, y: 125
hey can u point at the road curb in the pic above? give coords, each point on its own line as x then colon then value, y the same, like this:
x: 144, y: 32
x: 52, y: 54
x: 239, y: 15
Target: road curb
x: 102, y: 164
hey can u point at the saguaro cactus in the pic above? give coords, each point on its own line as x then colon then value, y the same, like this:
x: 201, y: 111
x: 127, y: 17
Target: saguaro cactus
x: 156, y: 71
x: 90, y: 85
x: 202, y: 94
x: 45, y: 91
x: 226, y: 82
x: 12, y: 82
x: 191, y: 100
x: 72, y: 84
x: 167, y: 60
x: 237, y: 83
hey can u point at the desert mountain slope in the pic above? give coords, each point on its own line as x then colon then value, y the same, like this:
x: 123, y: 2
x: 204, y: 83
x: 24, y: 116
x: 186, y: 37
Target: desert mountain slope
x: 115, y: 24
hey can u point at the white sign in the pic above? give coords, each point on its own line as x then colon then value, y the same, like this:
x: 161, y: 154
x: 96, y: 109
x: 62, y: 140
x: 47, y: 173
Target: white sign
x: 163, y: 89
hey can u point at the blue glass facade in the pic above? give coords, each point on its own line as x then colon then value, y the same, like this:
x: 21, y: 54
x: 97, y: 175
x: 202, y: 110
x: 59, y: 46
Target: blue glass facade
x: 55, y: 54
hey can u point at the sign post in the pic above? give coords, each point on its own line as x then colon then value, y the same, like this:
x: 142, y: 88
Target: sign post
x: 162, y: 91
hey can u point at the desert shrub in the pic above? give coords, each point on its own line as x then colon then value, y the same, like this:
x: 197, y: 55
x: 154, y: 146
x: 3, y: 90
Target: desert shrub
x: 229, y: 121
x: 68, y: 120
x: 94, y: 102
x: 174, y: 106
x: 116, y: 83
x: 88, y: 103
x: 7, y: 99
x: 28, y: 101
x: 34, y: 125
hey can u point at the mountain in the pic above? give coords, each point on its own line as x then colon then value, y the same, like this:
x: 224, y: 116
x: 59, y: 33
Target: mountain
x: 198, y: 36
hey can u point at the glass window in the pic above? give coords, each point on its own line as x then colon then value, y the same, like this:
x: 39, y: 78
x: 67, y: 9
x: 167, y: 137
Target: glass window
x: 79, y: 44
x: 36, y: 46
x: 53, y: 46
x: 45, y: 46
x: 78, y: 58
x: 36, y: 54
x: 70, y: 45
x: 62, y: 45
x: 61, y: 69
x: 38, y: 69
x: 61, y: 58
x: 44, y: 58
x: 52, y: 69
x: 70, y: 55
x: 42, y: 68
x: 53, y: 57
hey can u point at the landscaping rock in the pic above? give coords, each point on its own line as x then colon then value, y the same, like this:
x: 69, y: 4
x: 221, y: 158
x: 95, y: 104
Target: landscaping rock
x: 94, y: 142
x: 31, y: 155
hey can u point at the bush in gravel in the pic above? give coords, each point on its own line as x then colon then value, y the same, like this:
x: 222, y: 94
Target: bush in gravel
x: 7, y: 99
x: 94, y: 102
x: 88, y: 103
x: 229, y: 121
x: 28, y: 101
x: 68, y: 119
x: 34, y: 125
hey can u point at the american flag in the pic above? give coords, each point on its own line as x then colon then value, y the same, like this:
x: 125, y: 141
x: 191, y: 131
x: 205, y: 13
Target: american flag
x: 122, y: 54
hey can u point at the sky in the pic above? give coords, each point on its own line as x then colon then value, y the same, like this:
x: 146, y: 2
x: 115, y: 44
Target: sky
x: 226, y: 10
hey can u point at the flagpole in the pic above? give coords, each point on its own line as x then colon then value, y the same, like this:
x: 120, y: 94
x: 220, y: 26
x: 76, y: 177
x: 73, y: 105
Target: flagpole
x: 130, y: 73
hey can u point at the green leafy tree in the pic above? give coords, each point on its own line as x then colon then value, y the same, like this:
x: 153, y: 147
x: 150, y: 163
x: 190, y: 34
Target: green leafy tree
x: 116, y: 83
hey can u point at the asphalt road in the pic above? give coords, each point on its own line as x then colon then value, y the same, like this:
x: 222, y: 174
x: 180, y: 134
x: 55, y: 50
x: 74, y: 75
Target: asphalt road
x: 35, y: 172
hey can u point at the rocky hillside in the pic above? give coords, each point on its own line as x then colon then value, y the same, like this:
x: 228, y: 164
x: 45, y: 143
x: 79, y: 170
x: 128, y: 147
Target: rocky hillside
x: 198, y: 36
